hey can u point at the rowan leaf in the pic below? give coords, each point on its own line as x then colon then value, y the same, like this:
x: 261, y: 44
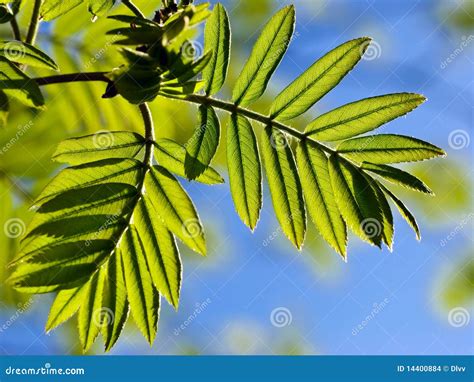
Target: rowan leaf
x: 265, y: 57
x: 285, y: 186
x: 319, y: 195
x: 362, y: 116
x: 397, y: 176
x: 27, y: 54
x: 202, y: 146
x: 318, y: 80
x: 245, y: 174
x: 388, y: 148
x: 51, y: 9
x: 217, y: 38
x: 356, y: 200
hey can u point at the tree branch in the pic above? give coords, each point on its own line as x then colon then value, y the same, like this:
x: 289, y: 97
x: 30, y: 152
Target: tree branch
x: 233, y: 108
x: 34, y: 23
x: 15, y: 29
x: 73, y: 77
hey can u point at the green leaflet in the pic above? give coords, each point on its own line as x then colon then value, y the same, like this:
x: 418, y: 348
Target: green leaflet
x: 127, y: 171
x: 172, y: 155
x: 65, y: 305
x: 99, y: 146
x: 318, y: 80
x: 245, y: 174
x: 362, y: 116
x: 388, y: 148
x: 404, y: 211
x: 50, y: 9
x: 16, y: 84
x: 27, y: 54
x: 217, y: 38
x: 397, y: 176
x: 265, y: 57
x: 160, y: 251
x: 202, y: 146
x: 284, y: 183
x: 143, y: 297
x: 319, y: 195
x: 175, y: 208
x: 90, y: 315
x: 356, y: 200
x: 388, y: 230
x: 115, y: 305
x: 100, y: 7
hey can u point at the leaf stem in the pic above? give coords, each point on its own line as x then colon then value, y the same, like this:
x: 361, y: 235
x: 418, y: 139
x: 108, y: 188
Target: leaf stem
x: 233, y: 108
x: 73, y: 77
x: 149, y: 133
x: 15, y: 29
x: 129, y: 4
x: 34, y: 24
